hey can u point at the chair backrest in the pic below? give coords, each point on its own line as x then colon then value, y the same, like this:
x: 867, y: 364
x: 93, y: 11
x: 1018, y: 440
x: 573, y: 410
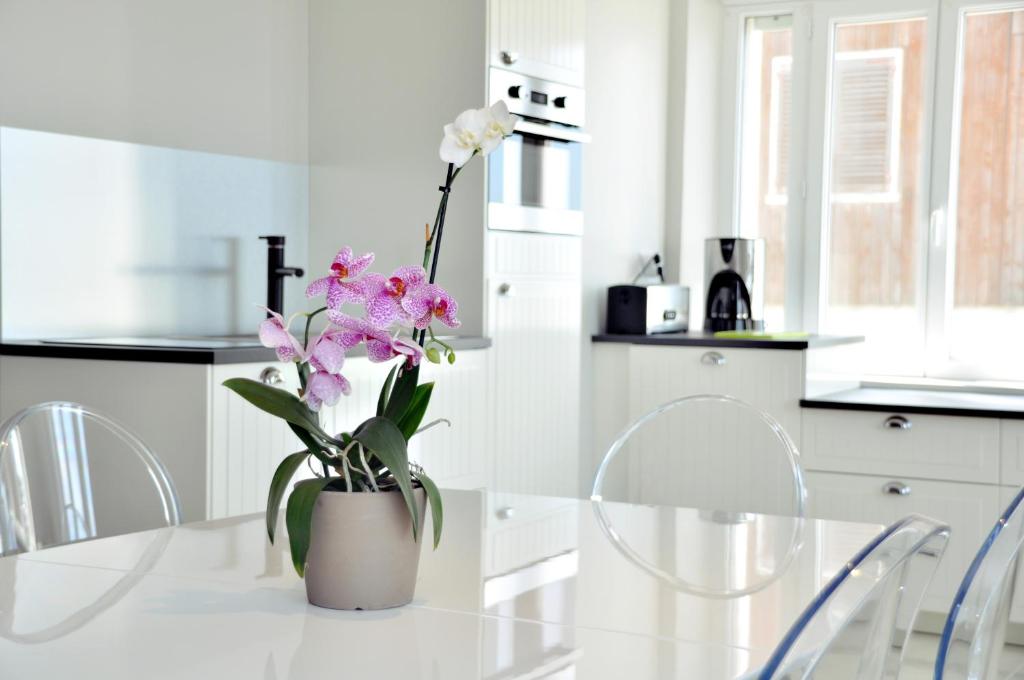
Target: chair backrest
x: 69, y: 474
x: 975, y: 629
x: 857, y: 625
x: 705, y: 451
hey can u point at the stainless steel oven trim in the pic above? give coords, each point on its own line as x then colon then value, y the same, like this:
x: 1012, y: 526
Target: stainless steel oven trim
x: 504, y: 217
x: 551, y: 132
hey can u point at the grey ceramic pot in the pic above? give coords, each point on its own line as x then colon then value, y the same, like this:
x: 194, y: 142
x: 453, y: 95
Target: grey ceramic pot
x: 361, y: 553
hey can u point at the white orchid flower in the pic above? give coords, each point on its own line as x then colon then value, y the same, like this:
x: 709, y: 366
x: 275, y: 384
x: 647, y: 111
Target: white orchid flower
x: 463, y: 137
x: 476, y: 130
x: 500, y: 124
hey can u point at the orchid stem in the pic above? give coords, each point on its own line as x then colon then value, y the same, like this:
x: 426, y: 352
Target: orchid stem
x: 309, y: 322
x: 434, y: 242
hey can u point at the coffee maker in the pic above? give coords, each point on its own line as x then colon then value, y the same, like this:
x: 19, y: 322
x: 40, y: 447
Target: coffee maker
x: 734, y: 280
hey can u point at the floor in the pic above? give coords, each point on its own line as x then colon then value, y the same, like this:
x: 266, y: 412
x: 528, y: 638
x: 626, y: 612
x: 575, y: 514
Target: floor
x: 919, y: 659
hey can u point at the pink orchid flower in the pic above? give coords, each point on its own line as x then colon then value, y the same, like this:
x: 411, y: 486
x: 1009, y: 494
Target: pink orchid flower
x: 324, y: 388
x: 274, y: 333
x: 384, y: 295
x: 340, y: 285
x: 380, y: 345
x: 429, y: 302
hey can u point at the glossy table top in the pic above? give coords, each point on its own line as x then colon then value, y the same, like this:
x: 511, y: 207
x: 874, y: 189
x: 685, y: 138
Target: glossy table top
x: 521, y: 587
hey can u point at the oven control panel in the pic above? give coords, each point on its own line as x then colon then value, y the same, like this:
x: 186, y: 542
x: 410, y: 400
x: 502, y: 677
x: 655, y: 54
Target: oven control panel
x: 542, y: 100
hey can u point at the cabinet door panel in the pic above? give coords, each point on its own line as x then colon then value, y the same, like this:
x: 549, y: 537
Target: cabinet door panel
x: 771, y: 380
x: 246, y: 444
x: 542, y: 38
x: 969, y: 509
x: 535, y: 329
x: 934, y: 447
x: 1011, y: 448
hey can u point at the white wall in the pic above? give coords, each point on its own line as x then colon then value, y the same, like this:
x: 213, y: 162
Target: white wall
x: 225, y: 76
x: 180, y: 136
x: 624, y: 166
x: 693, y: 166
x: 384, y: 78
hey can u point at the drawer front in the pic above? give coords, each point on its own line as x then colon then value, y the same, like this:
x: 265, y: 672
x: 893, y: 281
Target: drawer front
x: 771, y: 380
x: 1012, y: 452
x: 969, y: 509
x: 929, y: 447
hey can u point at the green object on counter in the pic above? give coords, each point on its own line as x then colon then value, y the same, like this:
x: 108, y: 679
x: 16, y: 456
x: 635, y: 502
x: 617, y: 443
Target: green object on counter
x: 761, y: 335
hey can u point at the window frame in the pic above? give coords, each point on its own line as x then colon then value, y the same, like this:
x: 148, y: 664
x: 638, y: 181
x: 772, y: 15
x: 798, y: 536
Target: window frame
x: 807, y: 233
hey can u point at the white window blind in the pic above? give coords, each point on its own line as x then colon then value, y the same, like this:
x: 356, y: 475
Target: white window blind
x: 867, y: 92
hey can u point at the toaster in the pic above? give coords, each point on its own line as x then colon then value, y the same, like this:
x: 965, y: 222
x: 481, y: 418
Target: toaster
x: 642, y: 310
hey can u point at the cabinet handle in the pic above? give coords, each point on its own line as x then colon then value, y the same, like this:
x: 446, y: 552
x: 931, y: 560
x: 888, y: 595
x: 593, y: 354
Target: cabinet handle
x: 271, y: 375
x: 712, y: 359
x: 897, y: 423
x: 506, y: 290
x: 509, y: 57
x: 895, y: 488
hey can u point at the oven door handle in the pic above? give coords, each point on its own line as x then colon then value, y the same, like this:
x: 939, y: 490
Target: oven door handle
x: 551, y: 132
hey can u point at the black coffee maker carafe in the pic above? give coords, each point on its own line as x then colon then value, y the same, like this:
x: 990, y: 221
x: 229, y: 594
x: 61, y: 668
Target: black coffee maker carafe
x: 734, y: 280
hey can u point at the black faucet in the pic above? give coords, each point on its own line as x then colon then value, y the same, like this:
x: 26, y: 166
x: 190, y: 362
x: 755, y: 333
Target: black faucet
x: 276, y: 271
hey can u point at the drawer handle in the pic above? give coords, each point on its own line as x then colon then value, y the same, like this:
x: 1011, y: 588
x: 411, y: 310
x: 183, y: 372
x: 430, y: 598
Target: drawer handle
x: 271, y: 375
x: 712, y: 359
x: 895, y: 488
x: 897, y: 423
x: 506, y: 290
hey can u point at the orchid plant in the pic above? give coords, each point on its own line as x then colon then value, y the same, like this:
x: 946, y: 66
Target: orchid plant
x: 393, y: 320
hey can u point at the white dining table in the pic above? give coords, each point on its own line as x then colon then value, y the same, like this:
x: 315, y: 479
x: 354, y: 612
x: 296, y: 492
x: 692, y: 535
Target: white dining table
x: 521, y: 587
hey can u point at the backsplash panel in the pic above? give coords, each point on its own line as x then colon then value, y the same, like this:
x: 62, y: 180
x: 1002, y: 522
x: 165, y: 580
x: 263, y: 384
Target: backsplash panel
x: 101, y: 237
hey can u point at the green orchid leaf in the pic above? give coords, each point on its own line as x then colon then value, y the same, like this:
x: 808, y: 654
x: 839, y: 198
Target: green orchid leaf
x: 312, y: 444
x: 299, y: 518
x: 410, y: 422
x: 436, y: 509
x: 382, y: 438
x: 385, y: 391
x: 277, y: 402
x: 278, y: 485
x: 401, y: 395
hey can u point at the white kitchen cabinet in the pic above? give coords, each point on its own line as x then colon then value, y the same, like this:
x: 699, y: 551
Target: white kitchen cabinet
x: 220, y: 450
x: 534, y: 321
x: 1011, y: 452
x: 540, y: 38
x: 768, y: 379
x: 969, y: 509
x: 927, y: 446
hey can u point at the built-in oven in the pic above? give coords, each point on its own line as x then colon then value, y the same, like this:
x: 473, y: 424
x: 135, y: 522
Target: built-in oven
x: 535, y: 178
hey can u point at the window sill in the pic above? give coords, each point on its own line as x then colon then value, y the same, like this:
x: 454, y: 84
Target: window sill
x: 1012, y: 388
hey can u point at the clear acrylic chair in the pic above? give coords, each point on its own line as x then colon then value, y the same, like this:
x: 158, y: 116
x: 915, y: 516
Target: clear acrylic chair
x: 858, y: 624
x: 974, y: 633
x: 706, y: 451
x: 734, y: 463
x: 69, y: 474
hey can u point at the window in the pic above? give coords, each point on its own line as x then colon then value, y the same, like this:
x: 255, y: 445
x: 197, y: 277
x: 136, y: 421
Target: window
x: 882, y: 161
x: 875, y: 126
x: 765, y: 147
x: 987, y: 315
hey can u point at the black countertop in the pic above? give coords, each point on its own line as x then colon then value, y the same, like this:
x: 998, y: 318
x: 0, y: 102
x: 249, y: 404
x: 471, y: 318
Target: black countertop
x: 935, y: 402
x: 701, y: 339
x: 163, y: 350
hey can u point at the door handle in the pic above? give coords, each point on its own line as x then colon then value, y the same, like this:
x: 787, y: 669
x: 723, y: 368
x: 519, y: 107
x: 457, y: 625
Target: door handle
x: 271, y: 375
x: 509, y: 57
x: 897, y: 423
x: 712, y: 359
x: 506, y: 290
x: 896, y: 488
